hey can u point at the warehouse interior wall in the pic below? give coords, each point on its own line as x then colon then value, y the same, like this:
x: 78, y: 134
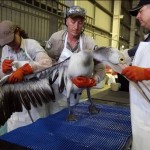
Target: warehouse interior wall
x: 116, y: 24
x: 108, y: 22
x: 38, y: 18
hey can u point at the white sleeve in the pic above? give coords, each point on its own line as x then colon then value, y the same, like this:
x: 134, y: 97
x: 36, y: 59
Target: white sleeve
x: 42, y: 61
x: 40, y: 57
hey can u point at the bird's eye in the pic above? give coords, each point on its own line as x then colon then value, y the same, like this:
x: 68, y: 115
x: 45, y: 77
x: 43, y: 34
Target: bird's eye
x: 121, y: 60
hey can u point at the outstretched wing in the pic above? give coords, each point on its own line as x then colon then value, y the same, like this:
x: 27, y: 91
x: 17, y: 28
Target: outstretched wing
x: 49, y: 72
x: 35, y: 89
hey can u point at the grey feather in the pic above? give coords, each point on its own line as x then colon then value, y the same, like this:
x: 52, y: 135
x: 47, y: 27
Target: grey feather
x: 34, y: 90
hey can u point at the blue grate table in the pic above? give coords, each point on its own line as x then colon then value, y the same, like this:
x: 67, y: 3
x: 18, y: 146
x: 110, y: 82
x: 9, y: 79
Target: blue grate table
x: 109, y: 130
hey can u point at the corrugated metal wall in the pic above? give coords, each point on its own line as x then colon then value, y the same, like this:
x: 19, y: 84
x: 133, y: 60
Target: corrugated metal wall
x: 38, y: 18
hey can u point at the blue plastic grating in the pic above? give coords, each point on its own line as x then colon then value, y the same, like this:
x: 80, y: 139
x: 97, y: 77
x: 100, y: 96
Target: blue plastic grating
x: 109, y: 130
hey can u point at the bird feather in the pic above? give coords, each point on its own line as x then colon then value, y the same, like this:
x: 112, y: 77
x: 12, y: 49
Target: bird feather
x: 36, y: 88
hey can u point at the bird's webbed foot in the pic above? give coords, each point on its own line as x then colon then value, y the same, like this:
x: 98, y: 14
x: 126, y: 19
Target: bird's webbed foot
x: 93, y: 109
x: 72, y: 117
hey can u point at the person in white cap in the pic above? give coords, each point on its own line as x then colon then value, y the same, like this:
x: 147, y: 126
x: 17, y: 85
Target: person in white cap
x: 64, y: 43
x: 30, y: 57
x: 139, y: 72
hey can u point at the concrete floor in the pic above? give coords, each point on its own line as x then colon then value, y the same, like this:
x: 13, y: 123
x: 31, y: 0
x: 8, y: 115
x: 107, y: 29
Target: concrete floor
x: 106, y: 96
x: 94, y: 91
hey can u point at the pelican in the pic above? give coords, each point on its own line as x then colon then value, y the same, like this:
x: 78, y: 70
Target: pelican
x: 36, y: 88
x: 81, y: 64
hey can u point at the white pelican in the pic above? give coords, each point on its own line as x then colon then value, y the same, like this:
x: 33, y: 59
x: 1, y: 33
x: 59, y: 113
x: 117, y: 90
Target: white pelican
x: 36, y: 88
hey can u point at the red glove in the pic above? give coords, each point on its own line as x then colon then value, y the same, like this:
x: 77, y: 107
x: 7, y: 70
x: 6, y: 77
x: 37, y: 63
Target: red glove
x: 136, y: 73
x: 84, y: 82
x: 17, y: 75
x: 7, y: 65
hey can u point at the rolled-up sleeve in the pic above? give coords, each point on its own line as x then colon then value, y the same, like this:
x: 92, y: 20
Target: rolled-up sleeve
x: 39, y: 56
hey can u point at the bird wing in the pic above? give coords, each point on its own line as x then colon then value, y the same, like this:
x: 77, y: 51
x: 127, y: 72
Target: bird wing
x: 35, y: 89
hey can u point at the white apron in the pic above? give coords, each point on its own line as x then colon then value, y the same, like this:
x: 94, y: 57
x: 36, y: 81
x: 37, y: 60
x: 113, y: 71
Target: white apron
x: 140, y: 108
x: 61, y: 99
x: 19, y: 119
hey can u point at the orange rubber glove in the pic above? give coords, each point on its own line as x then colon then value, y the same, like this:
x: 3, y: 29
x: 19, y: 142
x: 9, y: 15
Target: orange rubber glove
x: 7, y: 66
x: 135, y: 73
x: 17, y: 75
x: 83, y: 82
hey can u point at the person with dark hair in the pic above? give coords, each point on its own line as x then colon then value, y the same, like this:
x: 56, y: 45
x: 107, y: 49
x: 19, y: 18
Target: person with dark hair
x: 139, y: 72
x: 18, y: 47
x: 64, y: 43
x: 21, y: 56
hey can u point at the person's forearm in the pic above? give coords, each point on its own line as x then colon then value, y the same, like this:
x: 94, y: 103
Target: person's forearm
x: 37, y: 66
x: 136, y: 73
x: 42, y: 61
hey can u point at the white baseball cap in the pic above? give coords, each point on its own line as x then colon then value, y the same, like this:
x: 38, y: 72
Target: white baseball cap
x: 7, y: 29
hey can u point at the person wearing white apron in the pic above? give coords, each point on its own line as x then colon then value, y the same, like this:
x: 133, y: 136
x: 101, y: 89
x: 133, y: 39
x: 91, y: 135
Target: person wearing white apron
x: 26, y: 56
x: 61, y: 100
x: 63, y: 44
x: 139, y: 72
x: 140, y: 107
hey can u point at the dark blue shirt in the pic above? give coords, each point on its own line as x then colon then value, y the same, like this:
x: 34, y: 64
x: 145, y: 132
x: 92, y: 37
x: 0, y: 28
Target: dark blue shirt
x: 132, y: 51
